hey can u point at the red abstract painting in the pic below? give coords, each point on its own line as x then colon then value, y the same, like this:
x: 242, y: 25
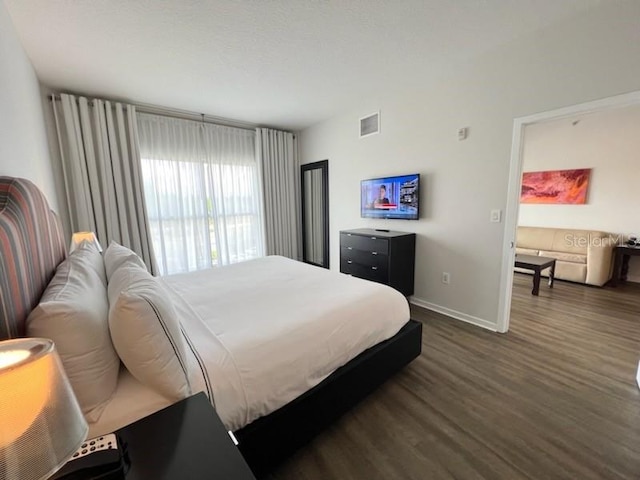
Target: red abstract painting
x: 556, y: 186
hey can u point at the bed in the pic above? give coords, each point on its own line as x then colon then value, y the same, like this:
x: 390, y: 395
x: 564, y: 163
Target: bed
x: 281, y: 348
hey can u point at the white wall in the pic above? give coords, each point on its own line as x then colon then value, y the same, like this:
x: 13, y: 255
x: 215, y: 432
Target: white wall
x: 24, y: 150
x: 609, y: 143
x: 582, y: 59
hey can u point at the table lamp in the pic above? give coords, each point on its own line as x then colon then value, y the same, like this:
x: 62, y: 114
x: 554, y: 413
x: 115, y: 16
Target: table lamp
x: 41, y: 424
x: 79, y: 237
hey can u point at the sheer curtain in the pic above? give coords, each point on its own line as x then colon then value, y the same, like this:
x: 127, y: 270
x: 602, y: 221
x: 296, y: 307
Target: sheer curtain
x: 202, y: 189
x: 100, y: 163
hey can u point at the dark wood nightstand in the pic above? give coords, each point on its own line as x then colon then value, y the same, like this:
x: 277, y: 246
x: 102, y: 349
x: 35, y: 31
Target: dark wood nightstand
x: 184, y: 441
x: 621, y: 263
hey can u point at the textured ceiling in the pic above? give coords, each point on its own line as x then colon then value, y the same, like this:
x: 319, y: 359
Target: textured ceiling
x: 275, y: 62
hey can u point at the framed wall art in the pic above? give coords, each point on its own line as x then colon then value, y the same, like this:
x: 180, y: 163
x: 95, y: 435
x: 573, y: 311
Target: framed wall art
x: 556, y: 187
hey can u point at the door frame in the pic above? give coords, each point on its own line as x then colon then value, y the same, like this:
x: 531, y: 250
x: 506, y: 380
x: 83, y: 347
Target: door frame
x: 515, y: 185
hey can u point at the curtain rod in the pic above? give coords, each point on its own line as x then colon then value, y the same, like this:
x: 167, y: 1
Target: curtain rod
x: 181, y: 114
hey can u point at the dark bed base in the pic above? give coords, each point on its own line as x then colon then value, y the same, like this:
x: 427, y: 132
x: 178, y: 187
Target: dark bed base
x: 268, y: 441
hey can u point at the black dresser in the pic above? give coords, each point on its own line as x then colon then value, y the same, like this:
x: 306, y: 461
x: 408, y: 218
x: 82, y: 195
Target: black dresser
x: 384, y: 257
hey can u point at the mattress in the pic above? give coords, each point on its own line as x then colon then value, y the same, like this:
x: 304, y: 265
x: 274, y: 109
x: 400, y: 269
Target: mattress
x: 263, y: 332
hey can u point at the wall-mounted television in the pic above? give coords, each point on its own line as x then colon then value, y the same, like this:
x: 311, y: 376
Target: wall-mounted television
x: 391, y: 197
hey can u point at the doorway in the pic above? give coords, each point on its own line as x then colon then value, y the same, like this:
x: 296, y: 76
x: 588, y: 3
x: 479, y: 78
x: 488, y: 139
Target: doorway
x: 514, y: 189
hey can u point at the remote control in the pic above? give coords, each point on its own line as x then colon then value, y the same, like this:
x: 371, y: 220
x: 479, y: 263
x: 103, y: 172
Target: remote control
x: 105, y: 442
x: 98, y: 457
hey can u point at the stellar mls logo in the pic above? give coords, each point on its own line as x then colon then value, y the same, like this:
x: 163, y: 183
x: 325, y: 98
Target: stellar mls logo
x: 612, y: 240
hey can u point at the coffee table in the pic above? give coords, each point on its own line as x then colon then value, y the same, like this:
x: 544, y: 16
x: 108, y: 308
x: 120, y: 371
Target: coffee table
x: 537, y: 264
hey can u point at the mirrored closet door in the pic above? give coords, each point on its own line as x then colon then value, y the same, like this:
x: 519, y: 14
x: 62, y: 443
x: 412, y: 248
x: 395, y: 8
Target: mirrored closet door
x: 315, y: 213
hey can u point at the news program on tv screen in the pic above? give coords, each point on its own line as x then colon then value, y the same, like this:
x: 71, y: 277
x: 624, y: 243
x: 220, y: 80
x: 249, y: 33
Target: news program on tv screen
x: 391, y: 197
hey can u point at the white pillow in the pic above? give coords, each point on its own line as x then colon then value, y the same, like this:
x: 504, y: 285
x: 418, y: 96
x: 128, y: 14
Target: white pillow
x: 74, y: 312
x: 116, y: 255
x: 120, y: 278
x: 146, y: 332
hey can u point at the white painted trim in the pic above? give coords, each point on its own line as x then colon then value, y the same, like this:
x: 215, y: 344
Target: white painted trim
x: 638, y: 375
x: 478, y: 322
x: 510, y: 223
x: 515, y: 177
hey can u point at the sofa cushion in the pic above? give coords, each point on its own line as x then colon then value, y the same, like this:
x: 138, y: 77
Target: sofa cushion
x: 535, y: 238
x: 565, y: 257
x: 574, y: 272
x: 526, y: 251
x: 577, y: 241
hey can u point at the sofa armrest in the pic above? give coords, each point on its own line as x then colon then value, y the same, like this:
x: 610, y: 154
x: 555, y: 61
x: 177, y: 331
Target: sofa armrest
x: 599, y: 263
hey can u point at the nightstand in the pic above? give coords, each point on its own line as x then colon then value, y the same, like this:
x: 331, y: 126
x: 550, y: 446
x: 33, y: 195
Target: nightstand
x: 621, y: 263
x: 185, y: 441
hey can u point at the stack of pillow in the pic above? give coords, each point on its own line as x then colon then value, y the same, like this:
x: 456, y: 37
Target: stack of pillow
x: 100, y: 311
x: 144, y: 325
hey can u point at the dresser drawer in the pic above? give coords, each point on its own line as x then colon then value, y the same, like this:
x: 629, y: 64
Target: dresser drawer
x: 364, y: 271
x: 366, y: 243
x: 369, y: 259
x: 382, y: 256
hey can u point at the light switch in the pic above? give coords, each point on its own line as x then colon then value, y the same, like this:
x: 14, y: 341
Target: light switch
x: 496, y: 216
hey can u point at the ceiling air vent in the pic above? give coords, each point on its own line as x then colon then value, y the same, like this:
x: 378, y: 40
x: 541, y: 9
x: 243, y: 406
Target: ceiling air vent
x: 370, y: 125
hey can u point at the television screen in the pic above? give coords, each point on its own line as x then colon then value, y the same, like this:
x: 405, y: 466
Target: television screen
x: 391, y: 197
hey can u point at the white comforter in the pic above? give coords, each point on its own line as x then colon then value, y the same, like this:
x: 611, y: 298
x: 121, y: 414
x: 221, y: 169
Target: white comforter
x: 265, y: 331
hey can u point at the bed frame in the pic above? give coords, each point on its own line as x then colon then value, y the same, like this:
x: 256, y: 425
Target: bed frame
x: 32, y: 246
x: 268, y: 441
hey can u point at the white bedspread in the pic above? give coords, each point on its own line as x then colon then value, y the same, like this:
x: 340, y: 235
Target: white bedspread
x: 266, y: 331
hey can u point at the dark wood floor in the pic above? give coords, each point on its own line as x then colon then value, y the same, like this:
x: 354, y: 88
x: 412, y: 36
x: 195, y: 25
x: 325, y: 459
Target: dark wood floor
x: 555, y: 398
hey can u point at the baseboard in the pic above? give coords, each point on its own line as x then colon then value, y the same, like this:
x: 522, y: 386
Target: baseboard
x: 638, y: 375
x: 633, y: 279
x: 479, y: 322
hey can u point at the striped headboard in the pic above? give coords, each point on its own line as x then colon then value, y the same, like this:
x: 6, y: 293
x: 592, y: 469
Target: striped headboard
x: 31, y: 247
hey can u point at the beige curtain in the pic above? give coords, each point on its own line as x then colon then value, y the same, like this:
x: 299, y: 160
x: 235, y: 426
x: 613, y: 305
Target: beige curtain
x: 277, y: 156
x: 101, y: 166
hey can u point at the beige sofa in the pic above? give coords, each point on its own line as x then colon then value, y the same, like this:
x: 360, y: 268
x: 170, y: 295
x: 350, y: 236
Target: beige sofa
x: 584, y: 256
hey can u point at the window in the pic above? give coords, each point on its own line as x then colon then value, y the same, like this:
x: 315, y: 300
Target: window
x: 202, y: 193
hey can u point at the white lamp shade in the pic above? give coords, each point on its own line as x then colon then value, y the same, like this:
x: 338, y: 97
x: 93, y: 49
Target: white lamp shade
x: 41, y: 423
x: 79, y: 237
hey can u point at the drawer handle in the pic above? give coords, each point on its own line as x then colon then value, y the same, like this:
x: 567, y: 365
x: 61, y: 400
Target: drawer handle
x: 374, y: 268
x: 349, y: 262
x: 374, y: 253
x: 374, y: 238
x: 348, y: 234
x: 349, y: 248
